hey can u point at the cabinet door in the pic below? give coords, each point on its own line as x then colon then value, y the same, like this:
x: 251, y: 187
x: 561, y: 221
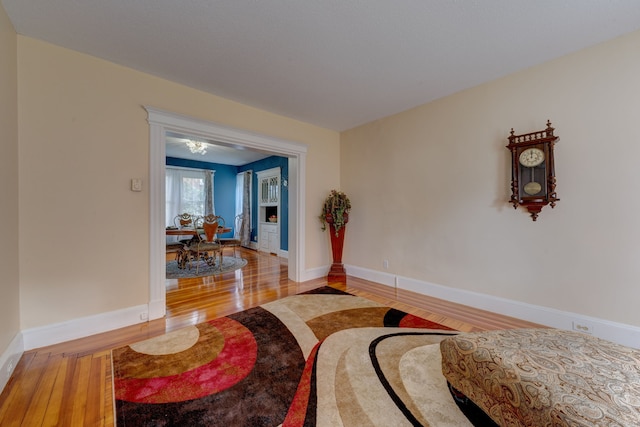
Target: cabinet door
x: 264, y: 240
x: 274, y: 187
x: 264, y: 190
x: 274, y: 243
x: 269, y: 189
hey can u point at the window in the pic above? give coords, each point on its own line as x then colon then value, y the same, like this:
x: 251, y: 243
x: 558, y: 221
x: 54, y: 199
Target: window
x: 186, y: 192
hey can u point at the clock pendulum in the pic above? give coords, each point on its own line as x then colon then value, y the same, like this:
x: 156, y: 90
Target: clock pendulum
x: 532, y: 187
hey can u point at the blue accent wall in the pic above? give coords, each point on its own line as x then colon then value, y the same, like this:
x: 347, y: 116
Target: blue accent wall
x: 224, y: 189
x: 260, y: 165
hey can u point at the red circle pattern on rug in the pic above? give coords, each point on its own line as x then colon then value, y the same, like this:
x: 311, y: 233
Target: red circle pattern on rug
x: 232, y: 364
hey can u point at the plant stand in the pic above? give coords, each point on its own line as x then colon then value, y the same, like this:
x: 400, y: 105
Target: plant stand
x: 337, y: 272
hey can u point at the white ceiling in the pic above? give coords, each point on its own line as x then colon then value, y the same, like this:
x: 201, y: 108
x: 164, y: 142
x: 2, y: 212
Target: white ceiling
x: 216, y: 153
x: 334, y: 63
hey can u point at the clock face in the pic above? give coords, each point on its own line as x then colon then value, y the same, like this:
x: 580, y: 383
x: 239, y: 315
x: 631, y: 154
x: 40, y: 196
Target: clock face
x: 531, y: 157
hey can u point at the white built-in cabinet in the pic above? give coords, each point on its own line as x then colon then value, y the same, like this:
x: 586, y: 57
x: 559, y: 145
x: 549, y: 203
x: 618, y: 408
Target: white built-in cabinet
x: 269, y: 210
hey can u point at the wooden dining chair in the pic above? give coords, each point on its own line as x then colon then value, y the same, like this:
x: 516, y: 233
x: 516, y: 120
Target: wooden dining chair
x: 233, y: 242
x: 204, y: 247
x: 184, y: 220
x: 181, y: 221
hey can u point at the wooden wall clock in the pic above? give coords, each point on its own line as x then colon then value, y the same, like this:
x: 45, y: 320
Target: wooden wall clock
x: 533, y: 178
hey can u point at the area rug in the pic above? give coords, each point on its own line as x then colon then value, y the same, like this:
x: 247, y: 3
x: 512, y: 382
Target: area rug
x: 322, y: 358
x: 229, y: 263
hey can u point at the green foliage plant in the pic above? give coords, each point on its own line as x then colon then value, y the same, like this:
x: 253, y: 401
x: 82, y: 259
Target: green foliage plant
x: 336, y: 207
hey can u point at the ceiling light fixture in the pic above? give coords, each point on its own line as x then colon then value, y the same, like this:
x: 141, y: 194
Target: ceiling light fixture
x: 197, y: 147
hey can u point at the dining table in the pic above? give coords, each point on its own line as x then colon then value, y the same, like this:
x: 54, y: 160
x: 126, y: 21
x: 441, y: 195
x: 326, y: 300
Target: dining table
x: 174, y: 231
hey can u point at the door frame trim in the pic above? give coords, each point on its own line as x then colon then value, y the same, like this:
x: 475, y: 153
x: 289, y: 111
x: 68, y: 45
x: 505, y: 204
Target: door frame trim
x: 161, y: 122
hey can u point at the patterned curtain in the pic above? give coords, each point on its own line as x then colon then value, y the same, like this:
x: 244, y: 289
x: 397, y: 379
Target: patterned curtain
x: 208, y: 193
x: 243, y: 206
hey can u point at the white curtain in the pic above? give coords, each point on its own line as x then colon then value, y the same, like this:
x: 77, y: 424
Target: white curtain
x: 243, y: 206
x: 188, y: 191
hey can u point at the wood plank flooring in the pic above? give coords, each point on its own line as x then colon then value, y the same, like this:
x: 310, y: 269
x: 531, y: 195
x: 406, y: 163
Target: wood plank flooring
x: 69, y: 384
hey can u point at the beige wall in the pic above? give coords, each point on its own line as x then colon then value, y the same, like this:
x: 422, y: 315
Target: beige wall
x: 433, y: 181
x: 9, y: 285
x: 430, y: 186
x: 83, y: 136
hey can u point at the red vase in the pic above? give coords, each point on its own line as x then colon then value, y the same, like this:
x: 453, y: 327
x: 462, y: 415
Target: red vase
x: 337, y: 272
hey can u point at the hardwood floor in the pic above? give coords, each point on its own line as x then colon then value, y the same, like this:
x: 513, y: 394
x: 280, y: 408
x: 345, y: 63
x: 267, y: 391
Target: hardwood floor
x: 69, y: 384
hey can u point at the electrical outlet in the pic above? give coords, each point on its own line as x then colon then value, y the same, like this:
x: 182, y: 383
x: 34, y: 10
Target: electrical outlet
x: 584, y: 327
x: 144, y: 315
x: 10, y: 367
x: 385, y: 264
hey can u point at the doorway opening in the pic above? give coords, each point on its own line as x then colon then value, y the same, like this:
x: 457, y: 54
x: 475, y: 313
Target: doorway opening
x: 160, y: 123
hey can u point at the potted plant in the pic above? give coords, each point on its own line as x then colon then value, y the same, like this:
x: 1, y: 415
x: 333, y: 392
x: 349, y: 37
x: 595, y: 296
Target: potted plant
x: 335, y: 212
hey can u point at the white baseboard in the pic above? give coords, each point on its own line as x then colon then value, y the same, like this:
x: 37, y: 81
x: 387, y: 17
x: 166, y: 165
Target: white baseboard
x: 9, y: 359
x: 621, y: 333
x: 314, y: 273
x: 84, y: 327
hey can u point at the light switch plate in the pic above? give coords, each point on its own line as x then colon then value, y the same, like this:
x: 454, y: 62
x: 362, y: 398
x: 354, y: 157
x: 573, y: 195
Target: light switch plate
x: 136, y: 184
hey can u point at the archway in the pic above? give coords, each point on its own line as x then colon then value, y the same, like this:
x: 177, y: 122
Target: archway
x: 161, y: 122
